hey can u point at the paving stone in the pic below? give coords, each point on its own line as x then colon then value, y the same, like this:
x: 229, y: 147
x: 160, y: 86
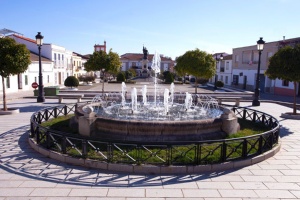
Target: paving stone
x: 283, y: 186
x: 164, y: 193
x: 93, y: 192
x: 214, y: 185
x: 248, y: 185
x: 201, y: 193
x: 6, y: 192
x: 274, y: 194
x: 238, y: 193
x: 48, y: 192
x: 126, y: 192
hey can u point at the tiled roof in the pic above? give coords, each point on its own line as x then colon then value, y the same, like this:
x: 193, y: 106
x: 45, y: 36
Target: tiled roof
x: 139, y: 56
x: 24, y: 38
x: 35, y: 57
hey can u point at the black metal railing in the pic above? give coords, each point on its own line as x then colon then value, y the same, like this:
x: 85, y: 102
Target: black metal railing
x: 157, y: 153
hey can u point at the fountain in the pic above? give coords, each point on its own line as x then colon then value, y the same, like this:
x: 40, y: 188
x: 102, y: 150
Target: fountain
x: 114, y: 117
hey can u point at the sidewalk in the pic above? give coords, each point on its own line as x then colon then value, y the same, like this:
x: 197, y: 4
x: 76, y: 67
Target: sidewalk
x: 25, y: 174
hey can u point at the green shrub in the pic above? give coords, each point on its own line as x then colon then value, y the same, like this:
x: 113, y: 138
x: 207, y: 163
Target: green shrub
x: 86, y: 79
x: 202, y: 81
x: 71, y: 81
x: 169, y: 78
x: 121, y: 77
x: 219, y: 84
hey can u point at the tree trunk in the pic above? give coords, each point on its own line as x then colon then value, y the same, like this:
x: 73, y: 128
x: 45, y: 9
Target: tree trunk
x: 295, y: 93
x: 196, y: 84
x: 4, y: 95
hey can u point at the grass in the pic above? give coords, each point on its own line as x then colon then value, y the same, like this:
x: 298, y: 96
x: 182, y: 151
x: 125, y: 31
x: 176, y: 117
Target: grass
x: 61, y: 123
x: 248, y: 128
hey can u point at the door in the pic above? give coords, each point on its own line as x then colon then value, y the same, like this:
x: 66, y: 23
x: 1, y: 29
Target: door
x: 20, y: 81
x: 262, y: 82
x: 59, y: 78
x: 245, y: 83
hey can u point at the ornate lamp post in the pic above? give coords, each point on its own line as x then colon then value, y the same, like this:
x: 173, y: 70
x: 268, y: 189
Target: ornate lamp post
x: 39, y: 42
x: 260, y: 47
x: 217, y: 60
x: 103, y: 70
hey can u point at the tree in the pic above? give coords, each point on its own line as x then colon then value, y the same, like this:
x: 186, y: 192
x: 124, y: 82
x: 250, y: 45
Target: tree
x: 71, y: 81
x: 197, y: 63
x: 14, y: 59
x: 285, y: 65
x: 101, y: 60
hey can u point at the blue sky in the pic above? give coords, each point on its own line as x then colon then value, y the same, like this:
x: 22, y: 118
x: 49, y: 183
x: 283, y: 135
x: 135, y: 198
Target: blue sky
x: 170, y: 27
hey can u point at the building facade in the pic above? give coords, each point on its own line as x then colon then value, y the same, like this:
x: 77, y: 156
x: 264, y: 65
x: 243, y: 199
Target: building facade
x: 245, y: 64
x: 135, y: 61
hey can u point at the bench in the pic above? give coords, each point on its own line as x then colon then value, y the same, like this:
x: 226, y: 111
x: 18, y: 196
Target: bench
x: 69, y: 96
x: 236, y: 99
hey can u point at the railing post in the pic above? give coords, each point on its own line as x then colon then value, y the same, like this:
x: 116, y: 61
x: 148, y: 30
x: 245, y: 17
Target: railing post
x: 198, y: 153
x: 65, y: 110
x: 39, y: 118
x: 260, y: 144
x: 263, y: 118
x: 224, y: 151
x: 254, y: 116
x: 84, y: 148
x: 55, y: 112
x: 244, y: 114
x: 64, y: 145
x: 31, y: 130
x: 244, y: 151
x: 48, y: 140
x: 139, y: 153
x: 169, y: 154
x: 37, y: 135
x: 46, y: 115
x: 109, y: 152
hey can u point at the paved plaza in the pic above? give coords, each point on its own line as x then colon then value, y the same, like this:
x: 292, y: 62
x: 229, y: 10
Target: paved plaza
x: 25, y: 174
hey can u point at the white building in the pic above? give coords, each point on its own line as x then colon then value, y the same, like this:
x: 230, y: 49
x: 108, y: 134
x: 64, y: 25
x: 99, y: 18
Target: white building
x: 224, y: 70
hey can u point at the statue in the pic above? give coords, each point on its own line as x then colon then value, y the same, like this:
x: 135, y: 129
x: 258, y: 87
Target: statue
x: 145, y: 51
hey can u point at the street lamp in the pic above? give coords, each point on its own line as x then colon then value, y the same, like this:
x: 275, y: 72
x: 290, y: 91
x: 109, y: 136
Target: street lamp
x: 260, y: 47
x: 39, y: 42
x: 216, y: 76
x: 103, y: 70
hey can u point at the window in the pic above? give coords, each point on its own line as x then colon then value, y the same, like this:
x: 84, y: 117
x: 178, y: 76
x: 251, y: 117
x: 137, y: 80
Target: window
x: 226, y: 79
x: 285, y: 83
x: 62, y: 57
x: 58, y: 56
x: 221, y: 78
x: 48, y: 78
x: 227, y: 65
x: 74, y: 63
x: 55, y: 78
x: 26, y: 79
x: 8, y: 82
x: 247, y: 57
x: 54, y: 56
x: 255, y: 56
x: 236, y: 58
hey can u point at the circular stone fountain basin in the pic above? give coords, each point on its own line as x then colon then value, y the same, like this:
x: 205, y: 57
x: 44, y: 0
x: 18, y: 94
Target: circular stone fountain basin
x: 133, y: 130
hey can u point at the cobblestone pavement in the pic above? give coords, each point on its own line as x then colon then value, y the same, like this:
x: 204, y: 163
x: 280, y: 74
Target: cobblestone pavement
x: 25, y: 174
